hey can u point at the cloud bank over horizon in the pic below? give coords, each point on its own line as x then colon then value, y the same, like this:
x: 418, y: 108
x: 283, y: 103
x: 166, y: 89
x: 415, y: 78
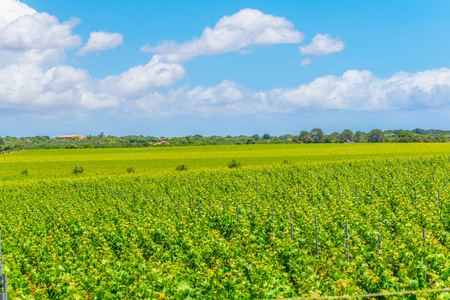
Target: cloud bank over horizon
x: 36, y: 78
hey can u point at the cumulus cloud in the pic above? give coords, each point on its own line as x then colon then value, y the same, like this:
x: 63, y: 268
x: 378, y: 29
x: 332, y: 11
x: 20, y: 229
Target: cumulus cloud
x: 33, y: 77
x: 353, y: 91
x: 232, y: 33
x: 29, y: 88
x: 323, y: 44
x: 12, y: 10
x: 362, y: 91
x: 37, y: 31
x: 101, y: 41
x: 225, y: 98
x: 142, y: 79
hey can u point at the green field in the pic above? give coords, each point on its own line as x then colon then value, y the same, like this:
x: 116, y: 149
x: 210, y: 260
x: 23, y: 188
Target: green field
x: 203, y: 157
x: 217, y: 233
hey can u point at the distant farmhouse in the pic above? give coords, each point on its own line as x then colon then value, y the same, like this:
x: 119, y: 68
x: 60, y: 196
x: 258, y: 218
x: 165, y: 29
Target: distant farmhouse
x: 70, y: 137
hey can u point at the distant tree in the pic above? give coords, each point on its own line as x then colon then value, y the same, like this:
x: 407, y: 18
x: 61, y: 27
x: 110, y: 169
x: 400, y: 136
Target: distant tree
x: 328, y: 139
x: 305, y: 137
x: 266, y: 136
x: 101, y: 135
x: 317, y: 135
x: 405, y: 136
x: 250, y: 141
x: 360, y: 137
x: 347, y: 135
x: 2, y: 141
x: 255, y: 137
x: 336, y: 136
x: 375, y: 136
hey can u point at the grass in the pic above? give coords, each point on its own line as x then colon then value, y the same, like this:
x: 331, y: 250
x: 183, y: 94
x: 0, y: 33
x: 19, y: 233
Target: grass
x: 61, y: 161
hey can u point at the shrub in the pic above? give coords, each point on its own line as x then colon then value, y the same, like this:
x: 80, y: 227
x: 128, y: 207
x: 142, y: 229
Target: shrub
x: 130, y: 170
x: 77, y: 170
x: 24, y: 172
x: 234, y: 164
x: 182, y: 168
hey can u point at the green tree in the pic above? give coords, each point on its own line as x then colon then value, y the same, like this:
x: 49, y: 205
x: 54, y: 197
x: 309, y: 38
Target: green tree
x: 347, y: 135
x: 375, y: 136
x: 317, y: 135
x: 266, y: 136
x: 2, y: 141
x: 405, y: 136
x: 360, y: 137
x: 305, y: 137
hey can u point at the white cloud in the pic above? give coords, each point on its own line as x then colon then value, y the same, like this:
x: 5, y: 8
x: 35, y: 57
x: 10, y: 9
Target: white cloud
x: 353, y: 91
x: 142, y: 79
x: 101, y: 41
x: 232, y: 33
x: 227, y: 97
x: 29, y: 88
x: 12, y: 10
x: 306, y: 61
x: 323, y: 44
x: 38, y: 31
x: 33, y: 76
x: 362, y: 91
x: 29, y: 37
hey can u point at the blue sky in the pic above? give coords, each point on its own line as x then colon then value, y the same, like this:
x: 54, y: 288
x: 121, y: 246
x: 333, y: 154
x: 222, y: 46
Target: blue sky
x: 173, y: 68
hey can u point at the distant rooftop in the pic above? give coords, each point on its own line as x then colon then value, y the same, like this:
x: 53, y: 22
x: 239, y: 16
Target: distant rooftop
x: 70, y: 136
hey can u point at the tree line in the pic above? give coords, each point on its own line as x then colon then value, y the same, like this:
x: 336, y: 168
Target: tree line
x: 315, y: 135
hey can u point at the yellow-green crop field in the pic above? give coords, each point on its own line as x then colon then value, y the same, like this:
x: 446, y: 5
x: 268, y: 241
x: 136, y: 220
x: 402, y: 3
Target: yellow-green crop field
x: 201, y: 158
x: 273, y: 228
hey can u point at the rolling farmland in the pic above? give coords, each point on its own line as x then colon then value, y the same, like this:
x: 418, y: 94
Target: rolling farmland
x: 274, y: 228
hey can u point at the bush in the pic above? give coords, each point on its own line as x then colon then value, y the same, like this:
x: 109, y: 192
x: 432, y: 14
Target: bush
x: 234, y: 164
x: 130, y: 170
x: 77, y: 170
x: 24, y: 172
x: 182, y: 168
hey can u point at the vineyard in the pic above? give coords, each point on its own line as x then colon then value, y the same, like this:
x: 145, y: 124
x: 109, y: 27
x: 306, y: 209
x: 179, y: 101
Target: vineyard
x: 277, y: 231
